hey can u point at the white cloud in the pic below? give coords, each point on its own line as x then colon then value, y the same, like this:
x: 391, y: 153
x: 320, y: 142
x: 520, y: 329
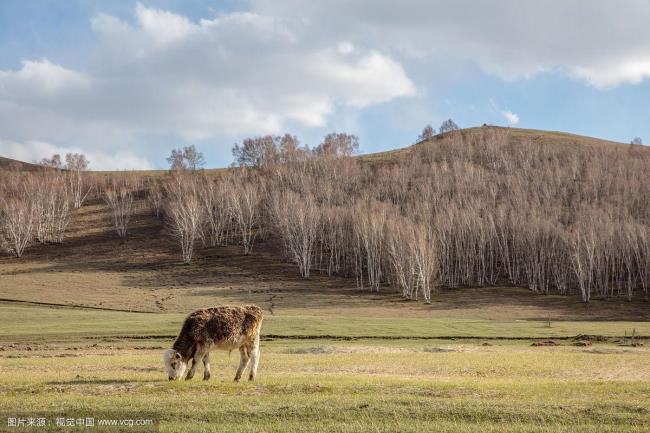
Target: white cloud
x: 289, y: 63
x: 42, y: 78
x: 598, y: 41
x: 165, y: 75
x: 34, y: 151
x: 511, y: 117
x: 164, y: 27
x: 345, y: 47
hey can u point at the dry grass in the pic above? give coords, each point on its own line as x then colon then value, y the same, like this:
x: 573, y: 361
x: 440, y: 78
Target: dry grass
x: 378, y: 386
x: 517, y: 135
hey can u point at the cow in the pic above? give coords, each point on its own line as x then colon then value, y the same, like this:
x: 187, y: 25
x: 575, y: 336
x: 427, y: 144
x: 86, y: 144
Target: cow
x: 225, y: 328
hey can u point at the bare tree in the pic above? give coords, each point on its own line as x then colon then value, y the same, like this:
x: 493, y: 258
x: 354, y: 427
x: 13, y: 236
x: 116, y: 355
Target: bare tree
x: 155, y: 197
x: 119, y: 194
x: 427, y: 133
x: 218, y: 215
x: 176, y: 160
x: 255, y: 152
x: 188, y: 158
x: 53, y: 199
x: 369, y: 218
x: 290, y: 151
x: 448, y: 126
x: 193, y: 158
x: 77, y: 164
x: 637, y: 141
x: 297, y: 221
x: 246, y: 205
x: 183, y: 212
x: 338, y: 145
x: 54, y: 162
x: 17, y: 214
x: 399, y: 245
x: 425, y: 258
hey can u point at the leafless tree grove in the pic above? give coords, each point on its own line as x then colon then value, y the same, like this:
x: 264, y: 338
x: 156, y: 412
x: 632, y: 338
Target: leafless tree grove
x: 75, y: 166
x: 465, y: 208
x: 54, y: 198
x: 34, y: 206
x: 17, y: 214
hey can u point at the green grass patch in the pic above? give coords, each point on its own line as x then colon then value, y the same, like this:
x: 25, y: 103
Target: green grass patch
x: 24, y: 322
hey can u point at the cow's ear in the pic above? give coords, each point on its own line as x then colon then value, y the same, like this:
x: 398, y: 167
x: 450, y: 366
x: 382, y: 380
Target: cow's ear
x: 177, y: 355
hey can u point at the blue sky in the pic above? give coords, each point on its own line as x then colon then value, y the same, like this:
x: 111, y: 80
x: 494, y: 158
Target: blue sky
x: 125, y: 81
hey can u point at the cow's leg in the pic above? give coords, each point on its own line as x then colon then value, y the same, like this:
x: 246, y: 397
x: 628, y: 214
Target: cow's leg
x: 206, y: 366
x: 198, y: 356
x: 190, y: 372
x: 243, y: 361
x: 255, y: 358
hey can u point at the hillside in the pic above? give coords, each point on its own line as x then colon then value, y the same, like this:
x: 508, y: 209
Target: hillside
x: 515, y: 135
x: 142, y: 272
x: 12, y: 164
x: 95, y: 268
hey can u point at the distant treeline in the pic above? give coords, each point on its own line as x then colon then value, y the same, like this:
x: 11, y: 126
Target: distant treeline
x: 463, y: 208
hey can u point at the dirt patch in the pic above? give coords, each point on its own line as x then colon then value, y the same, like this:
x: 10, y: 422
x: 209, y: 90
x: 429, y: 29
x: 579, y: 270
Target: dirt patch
x: 544, y: 343
x: 310, y: 350
x: 142, y: 369
x: 58, y: 355
x: 438, y: 350
x: 319, y: 350
x: 594, y: 338
x: 607, y: 351
x: 632, y: 344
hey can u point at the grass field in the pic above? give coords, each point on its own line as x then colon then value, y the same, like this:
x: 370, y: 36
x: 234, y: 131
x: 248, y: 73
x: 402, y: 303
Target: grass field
x: 63, y: 362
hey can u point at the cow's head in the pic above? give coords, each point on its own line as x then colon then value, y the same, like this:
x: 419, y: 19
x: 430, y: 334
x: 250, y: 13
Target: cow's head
x: 174, y: 364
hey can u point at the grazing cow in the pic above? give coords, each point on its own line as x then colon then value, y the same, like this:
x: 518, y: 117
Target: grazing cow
x: 225, y: 328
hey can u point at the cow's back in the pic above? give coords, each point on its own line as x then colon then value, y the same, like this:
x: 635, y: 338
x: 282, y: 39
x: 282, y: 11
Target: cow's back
x: 231, y: 323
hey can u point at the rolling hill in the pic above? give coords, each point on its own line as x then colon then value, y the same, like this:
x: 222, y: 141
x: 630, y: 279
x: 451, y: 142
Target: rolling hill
x: 516, y: 135
x: 13, y: 164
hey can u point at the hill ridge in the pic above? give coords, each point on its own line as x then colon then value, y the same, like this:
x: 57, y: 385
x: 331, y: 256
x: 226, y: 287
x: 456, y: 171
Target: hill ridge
x: 540, y: 135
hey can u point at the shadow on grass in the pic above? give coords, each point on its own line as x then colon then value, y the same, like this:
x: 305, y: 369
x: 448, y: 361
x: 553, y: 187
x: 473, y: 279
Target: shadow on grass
x: 91, y: 381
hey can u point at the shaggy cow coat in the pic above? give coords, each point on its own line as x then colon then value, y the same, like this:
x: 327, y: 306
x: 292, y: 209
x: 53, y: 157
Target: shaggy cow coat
x: 207, y: 329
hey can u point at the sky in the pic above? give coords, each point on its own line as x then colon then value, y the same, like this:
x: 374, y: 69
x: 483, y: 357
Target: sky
x: 125, y: 82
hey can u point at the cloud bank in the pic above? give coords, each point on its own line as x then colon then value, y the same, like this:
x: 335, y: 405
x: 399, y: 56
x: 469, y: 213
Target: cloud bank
x: 162, y: 74
x: 159, y: 78
x: 600, y: 42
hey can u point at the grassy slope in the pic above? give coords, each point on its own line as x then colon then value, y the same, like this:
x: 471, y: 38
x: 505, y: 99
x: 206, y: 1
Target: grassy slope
x: 516, y: 135
x: 12, y: 164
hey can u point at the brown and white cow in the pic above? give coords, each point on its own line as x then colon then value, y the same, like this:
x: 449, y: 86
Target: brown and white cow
x: 224, y: 328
